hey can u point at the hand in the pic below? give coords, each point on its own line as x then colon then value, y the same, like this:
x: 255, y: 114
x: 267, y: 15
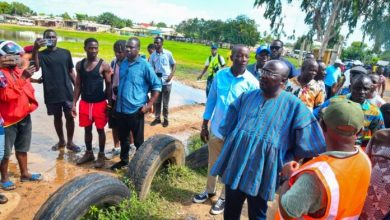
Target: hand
x: 7, y: 61
x: 146, y: 108
x: 27, y: 73
x: 74, y: 111
x: 39, y: 42
x: 169, y: 78
x: 199, y: 77
x: 40, y: 80
x: 289, y: 168
x: 204, y: 135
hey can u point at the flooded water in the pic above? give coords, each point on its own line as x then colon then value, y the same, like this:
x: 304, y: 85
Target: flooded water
x: 30, y: 36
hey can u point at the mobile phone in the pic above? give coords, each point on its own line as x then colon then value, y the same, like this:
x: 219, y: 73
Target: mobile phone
x: 49, y: 42
x: 32, y: 63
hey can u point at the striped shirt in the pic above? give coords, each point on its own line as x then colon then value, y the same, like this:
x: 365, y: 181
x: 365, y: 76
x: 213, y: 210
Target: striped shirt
x: 373, y: 119
x: 260, y: 136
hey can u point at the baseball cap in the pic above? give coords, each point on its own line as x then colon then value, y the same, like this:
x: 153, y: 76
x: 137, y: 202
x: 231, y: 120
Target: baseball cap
x: 28, y: 49
x: 359, y: 69
x: 262, y: 48
x: 214, y: 46
x: 338, y: 61
x: 344, y: 116
x: 357, y: 63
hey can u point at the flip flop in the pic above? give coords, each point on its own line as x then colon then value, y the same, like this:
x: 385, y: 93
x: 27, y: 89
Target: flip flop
x: 74, y: 148
x: 9, y: 185
x: 34, y: 177
x: 57, y: 147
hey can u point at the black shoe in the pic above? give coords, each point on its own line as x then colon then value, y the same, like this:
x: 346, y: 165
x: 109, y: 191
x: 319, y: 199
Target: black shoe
x: 165, y: 123
x: 119, y: 165
x: 155, y: 122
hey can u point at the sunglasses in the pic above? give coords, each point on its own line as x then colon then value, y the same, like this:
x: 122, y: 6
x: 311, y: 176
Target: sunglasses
x: 275, y: 47
x: 267, y: 73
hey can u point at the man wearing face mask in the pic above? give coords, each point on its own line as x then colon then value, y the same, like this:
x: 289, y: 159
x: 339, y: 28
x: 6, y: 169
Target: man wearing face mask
x: 57, y: 77
x: 262, y: 56
x: 263, y: 129
x: 305, y: 87
x: 137, y: 78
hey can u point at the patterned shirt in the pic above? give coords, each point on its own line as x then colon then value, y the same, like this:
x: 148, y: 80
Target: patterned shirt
x: 373, y: 119
x: 312, y: 95
x: 260, y: 136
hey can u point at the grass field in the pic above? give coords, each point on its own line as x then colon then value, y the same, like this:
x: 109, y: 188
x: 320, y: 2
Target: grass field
x: 190, y: 57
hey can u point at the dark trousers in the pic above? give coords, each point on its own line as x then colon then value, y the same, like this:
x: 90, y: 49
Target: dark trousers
x: 126, y: 123
x: 164, y: 99
x: 209, y: 83
x: 328, y: 92
x: 257, y: 207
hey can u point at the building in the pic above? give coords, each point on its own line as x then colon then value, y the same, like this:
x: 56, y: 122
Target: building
x: 46, y: 21
x: 93, y: 27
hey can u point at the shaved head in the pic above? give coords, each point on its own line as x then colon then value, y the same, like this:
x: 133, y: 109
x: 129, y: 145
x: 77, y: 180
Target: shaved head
x: 278, y: 67
x: 237, y: 48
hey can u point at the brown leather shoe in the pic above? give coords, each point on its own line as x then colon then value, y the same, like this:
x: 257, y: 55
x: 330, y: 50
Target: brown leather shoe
x: 101, y: 161
x: 87, y: 157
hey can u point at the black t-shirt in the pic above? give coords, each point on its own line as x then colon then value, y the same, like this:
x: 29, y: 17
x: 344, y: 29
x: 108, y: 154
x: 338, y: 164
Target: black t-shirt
x: 57, y: 85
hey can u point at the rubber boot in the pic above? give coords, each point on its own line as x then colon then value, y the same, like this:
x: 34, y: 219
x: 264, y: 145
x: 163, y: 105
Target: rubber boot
x: 101, y: 161
x: 87, y: 157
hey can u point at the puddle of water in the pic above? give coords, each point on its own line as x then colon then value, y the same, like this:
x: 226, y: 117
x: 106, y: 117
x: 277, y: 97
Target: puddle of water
x: 31, y: 36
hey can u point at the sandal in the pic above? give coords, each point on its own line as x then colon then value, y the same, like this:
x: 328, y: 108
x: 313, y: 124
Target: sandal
x: 74, y: 148
x: 57, y: 146
x: 34, y: 177
x: 9, y: 185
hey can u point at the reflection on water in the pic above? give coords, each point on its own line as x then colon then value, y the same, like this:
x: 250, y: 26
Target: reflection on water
x: 30, y: 36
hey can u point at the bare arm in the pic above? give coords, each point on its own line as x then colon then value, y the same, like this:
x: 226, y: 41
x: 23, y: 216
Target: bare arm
x: 146, y: 108
x: 203, y: 72
x: 173, y: 68
x: 107, y: 78
x: 72, y: 76
x: 77, y: 90
x: 383, y: 86
x: 39, y: 42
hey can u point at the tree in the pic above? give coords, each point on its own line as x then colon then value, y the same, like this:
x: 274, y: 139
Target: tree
x: 356, y: 51
x: 20, y: 9
x: 81, y: 17
x: 5, y: 8
x: 66, y: 16
x: 325, y: 16
x: 161, y: 25
x: 111, y: 19
x: 128, y: 23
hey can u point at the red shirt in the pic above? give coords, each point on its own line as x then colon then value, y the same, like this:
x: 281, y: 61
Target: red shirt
x: 17, y: 98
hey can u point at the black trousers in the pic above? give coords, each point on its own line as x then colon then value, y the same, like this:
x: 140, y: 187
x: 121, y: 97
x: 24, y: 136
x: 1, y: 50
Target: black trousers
x: 164, y: 99
x: 126, y: 123
x: 257, y: 207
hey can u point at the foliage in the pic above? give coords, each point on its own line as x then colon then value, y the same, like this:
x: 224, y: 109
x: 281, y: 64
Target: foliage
x: 15, y: 8
x: 161, y: 25
x: 385, y: 55
x: 113, y: 20
x: 194, y: 143
x: 66, y: 16
x: 241, y: 30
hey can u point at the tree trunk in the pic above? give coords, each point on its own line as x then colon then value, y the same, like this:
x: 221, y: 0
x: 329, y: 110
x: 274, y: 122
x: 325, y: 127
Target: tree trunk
x: 330, y: 25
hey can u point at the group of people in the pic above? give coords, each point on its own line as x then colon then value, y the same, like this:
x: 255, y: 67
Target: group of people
x: 119, y: 93
x: 268, y: 126
x: 273, y: 127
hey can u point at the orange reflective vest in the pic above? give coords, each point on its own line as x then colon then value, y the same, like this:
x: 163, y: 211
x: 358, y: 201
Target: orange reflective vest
x: 345, y: 181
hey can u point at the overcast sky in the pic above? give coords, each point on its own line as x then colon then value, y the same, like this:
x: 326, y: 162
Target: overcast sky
x: 173, y: 12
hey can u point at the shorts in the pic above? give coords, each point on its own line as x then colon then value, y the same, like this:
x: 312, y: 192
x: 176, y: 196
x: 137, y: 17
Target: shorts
x: 1, y: 142
x: 18, y: 135
x: 93, y: 112
x: 57, y: 108
x: 112, y: 121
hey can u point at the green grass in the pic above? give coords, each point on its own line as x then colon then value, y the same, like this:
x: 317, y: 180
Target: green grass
x: 170, y: 188
x: 190, y: 57
x: 194, y: 143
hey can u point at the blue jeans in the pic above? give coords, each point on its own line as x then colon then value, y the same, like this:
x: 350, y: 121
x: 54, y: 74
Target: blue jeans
x: 257, y: 206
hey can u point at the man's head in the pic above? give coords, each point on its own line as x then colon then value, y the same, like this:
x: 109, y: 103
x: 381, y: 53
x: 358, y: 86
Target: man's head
x: 356, y: 71
x: 240, y: 56
x: 321, y: 70
x: 385, y: 109
x: 360, y: 88
x: 151, y: 48
x: 309, y: 56
x: 276, y: 49
x: 158, y: 43
x: 341, y: 121
x: 262, y: 55
x: 309, y: 69
x: 120, y: 49
x: 91, y: 47
x: 338, y: 63
x: 51, y: 38
x: 273, y: 77
x: 132, y: 48
x: 214, y: 49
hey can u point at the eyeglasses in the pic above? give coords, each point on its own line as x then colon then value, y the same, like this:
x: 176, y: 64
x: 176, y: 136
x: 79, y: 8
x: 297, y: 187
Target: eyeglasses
x: 267, y: 73
x: 275, y: 47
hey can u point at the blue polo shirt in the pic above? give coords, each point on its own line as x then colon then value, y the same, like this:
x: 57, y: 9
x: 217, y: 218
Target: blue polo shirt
x: 136, y: 79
